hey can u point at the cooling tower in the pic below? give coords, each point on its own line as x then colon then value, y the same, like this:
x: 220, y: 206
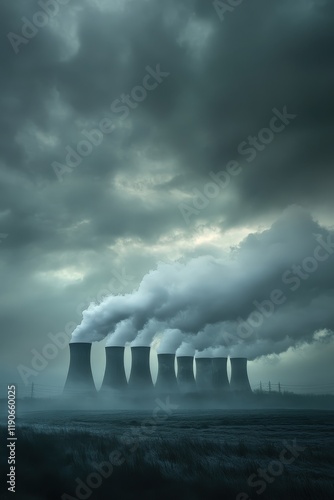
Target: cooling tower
x: 114, y: 375
x: 166, y: 380
x: 79, y: 377
x: 140, y: 376
x: 203, y: 374
x: 239, y: 376
x: 219, y: 374
x: 185, y: 373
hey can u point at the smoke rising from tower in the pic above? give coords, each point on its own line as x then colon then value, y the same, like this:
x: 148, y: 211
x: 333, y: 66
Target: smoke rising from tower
x: 217, y: 301
x: 170, y: 340
x: 124, y: 332
x: 185, y: 349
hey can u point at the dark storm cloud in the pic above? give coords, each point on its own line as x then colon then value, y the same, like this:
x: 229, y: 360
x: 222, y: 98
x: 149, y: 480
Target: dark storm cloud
x: 266, y: 58
x: 224, y: 80
x: 222, y: 88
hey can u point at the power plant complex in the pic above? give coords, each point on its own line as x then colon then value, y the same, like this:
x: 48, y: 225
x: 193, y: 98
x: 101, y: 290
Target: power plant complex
x: 209, y: 376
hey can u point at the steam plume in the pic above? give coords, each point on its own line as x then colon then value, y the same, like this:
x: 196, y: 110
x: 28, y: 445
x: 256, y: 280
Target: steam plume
x: 228, y: 302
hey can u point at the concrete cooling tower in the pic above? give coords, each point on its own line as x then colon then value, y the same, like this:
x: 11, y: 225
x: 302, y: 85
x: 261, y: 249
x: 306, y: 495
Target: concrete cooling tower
x: 203, y: 374
x: 114, y: 375
x: 219, y: 374
x: 166, y: 379
x: 140, y: 376
x: 79, y: 377
x: 185, y: 374
x: 239, y: 376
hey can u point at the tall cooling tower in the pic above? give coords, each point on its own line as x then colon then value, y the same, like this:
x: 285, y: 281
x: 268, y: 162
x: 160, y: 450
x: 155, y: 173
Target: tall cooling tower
x: 219, y: 374
x: 79, y: 377
x: 203, y: 374
x: 185, y: 373
x: 239, y: 376
x: 114, y: 375
x: 166, y: 380
x: 140, y: 376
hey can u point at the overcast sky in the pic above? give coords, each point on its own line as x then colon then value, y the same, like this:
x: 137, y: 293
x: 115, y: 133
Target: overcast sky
x: 170, y: 99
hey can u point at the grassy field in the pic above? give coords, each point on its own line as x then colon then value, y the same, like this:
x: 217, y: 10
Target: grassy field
x: 188, y: 456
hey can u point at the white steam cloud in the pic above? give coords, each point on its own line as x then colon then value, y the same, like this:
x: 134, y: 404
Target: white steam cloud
x: 273, y: 292
x: 185, y: 349
x: 170, y: 341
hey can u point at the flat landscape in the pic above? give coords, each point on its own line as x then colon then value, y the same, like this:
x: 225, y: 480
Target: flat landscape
x: 167, y: 453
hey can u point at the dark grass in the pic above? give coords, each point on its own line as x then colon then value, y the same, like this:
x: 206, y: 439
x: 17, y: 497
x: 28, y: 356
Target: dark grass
x: 189, y: 467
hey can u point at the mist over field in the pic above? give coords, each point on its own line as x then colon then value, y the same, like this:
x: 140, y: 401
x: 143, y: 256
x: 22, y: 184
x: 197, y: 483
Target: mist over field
x: 184, y: 454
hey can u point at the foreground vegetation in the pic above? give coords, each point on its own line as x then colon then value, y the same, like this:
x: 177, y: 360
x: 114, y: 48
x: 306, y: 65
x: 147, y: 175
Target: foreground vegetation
x: 53, y: 462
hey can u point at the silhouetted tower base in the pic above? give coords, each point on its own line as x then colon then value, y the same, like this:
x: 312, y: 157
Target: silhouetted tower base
x: 114, y: 375
x: 239, y: 376
x: 140, y: 376
x: 166, y: 379
x: 185, y: 374
x: 203, y: 374
x: 220, y: 381
x: 79, y: 378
